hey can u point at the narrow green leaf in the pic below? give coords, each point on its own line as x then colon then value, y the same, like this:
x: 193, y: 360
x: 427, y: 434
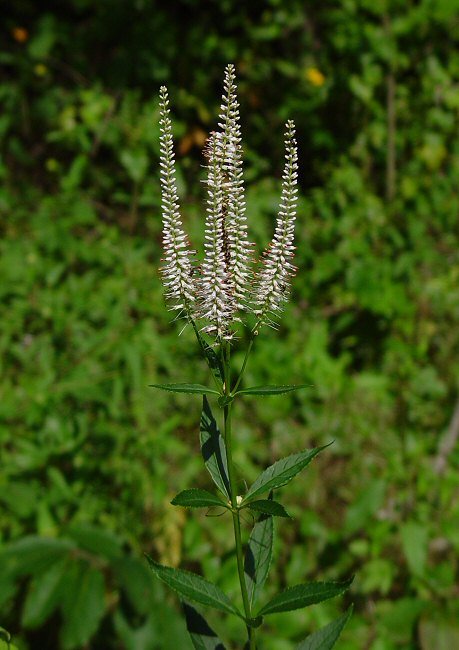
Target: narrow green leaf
x: 270, y: 390
x: 133, y: 577
x: 186, y: 388
x: 33, y: 554
x: 268, y: 507
x: 194, y: 587
x: 326, y: 638
x: 6, y: 645
x: 281, y: 473
x: 97, y: 541
x: 83, y: 605
x: 304, y: 595
x: 202, y: 635
x: 196, y: 498
x: 213, y: 449
x: 258, y: 556
x: 44, y: 595
x: 5, y: 635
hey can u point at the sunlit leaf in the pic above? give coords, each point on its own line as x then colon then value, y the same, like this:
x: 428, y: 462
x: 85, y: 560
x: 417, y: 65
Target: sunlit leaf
x: 270, y: 390
x: 258, y: 557
x: 281, y: 473
x: 326, y: 638
x: 196, y: 498
x: 199, y: 389
x: 304, y: 595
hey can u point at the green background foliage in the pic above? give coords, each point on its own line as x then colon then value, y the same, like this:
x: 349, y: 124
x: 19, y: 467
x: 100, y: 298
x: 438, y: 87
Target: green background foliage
x: 90, y: 456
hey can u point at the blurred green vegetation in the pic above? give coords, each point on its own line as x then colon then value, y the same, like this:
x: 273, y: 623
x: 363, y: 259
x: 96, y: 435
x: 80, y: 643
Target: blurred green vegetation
x: 90, y: 457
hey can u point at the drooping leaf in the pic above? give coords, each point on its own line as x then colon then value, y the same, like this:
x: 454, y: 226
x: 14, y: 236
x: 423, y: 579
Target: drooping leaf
x: 137, y: 637
x: 202, y: 635
x: 194, y: 587
x: 281, y: 473
x: 83, y: 605
x: 199, y: 389
x: 326, y: 638
x: 213, y: 449
x: 134, y: 578
x: 268, y: 507
x: 4, y: 635
x: 44, y: 595
x: 97, y: 540
x: 33, y: 554
x: 196, y: 498
x: 304, y: 595
x: 270, y: 390
x: 258, y: 556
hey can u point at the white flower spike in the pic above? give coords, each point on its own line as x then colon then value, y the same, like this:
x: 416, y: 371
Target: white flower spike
x: 177, y: 271
x: 229, y: 152
x: 273, y: 281
x: 216, y: 304
x: 224, y: 286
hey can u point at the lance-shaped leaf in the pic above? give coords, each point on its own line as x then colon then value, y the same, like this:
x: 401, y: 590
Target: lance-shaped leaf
x: 186, y: 388
x: 326, y: 638
x: 258, y: 557
x: 268, y: 507
x: 196, y: 498
x: 202, y: 635
x: 270, y: 390
x: 45, y: 594
x: 281, y: 473
x: 304, y: 595
x: 194, y: 587
x: 213, y: 450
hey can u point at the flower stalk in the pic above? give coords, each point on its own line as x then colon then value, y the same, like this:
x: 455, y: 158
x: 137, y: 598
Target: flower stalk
x: 223, y: 292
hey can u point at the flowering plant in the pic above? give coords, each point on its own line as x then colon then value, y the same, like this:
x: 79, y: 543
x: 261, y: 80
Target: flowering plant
x: 227, y: 289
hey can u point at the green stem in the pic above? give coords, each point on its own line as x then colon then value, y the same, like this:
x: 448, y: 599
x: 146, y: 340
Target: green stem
x: 233, y: 491
x: 246, y: 358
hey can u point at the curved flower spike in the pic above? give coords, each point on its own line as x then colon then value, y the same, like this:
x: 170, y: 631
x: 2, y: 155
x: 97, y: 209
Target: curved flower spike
x: 272, y: 285
x: 177, y: 271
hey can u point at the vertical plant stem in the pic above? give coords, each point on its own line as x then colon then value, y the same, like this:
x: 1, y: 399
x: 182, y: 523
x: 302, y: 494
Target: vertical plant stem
x: 235, y: 511
x: 246, y: 358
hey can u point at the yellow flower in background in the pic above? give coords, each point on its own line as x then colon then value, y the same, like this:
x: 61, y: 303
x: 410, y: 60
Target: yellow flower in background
x: 20, y: 34
x: 315, y: 76
x: 40, y: 70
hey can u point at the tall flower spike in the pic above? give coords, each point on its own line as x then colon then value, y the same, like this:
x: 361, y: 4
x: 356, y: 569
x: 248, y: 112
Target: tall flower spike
x: 177, y: 271
x: 229, y: 154
x: 273, y: 282
x: 217, y: 304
